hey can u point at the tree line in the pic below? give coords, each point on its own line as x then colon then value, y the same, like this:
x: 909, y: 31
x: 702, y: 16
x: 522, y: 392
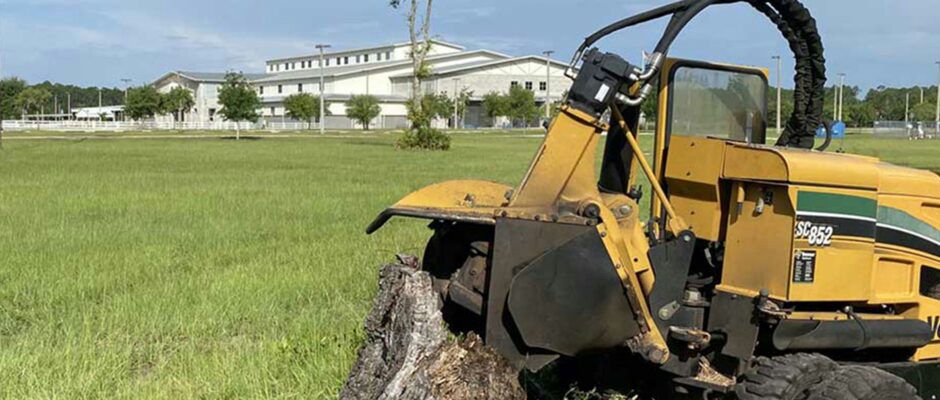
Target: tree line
x: 43, y: 97
x: 879, y: 104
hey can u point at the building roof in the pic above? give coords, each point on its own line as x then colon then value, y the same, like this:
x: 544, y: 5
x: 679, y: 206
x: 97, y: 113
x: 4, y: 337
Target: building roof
x: 209, y: 77
x: 360, y: 68
x: 364, y: 50
x: 341, y: 97
x: 483, y: 64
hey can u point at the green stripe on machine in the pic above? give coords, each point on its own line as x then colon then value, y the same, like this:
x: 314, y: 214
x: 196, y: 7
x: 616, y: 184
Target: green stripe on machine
x: 897, y: 219
x: 831, y: 203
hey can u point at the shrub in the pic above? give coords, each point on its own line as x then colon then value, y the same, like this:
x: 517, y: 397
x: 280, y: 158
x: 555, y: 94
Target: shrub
x: 424, y: 138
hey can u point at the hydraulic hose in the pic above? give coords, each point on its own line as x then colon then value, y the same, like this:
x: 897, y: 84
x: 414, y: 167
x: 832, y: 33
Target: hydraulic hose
x: 797, y: 26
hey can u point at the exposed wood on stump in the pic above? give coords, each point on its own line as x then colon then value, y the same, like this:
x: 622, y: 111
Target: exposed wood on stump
x: 408, y: 354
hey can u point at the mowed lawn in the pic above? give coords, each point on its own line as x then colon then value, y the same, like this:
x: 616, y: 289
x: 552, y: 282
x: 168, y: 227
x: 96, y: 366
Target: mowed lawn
x: 216, y: 269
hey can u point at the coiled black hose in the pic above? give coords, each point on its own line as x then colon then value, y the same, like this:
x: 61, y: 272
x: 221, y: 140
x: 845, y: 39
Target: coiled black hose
x: 797, y: 26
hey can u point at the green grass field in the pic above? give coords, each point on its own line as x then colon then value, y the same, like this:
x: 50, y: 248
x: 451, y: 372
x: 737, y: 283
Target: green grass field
x: 216, y: 269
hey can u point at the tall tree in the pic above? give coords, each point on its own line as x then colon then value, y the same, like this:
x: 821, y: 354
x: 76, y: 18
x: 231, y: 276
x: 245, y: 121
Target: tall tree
x: 179, y: 101
x: 521, y: 105
x: 240, y: 101
x: 363, y: 109
x: 32, y: 100
x: 494, y: 105
x: 303, y: 107
x: 10, y: 88
x: 143, y: 102
x: 420, y: 36
x: 924, y: 112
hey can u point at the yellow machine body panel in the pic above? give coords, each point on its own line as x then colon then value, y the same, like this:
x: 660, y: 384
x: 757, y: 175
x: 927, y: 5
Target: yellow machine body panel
x: 814, y: 227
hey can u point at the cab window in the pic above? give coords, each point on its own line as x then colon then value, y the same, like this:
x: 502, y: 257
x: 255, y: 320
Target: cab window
x: 719, y: 103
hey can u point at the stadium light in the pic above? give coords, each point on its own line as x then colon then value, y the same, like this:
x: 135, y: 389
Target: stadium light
x: 779, y: 93
x: 322, y: 47
x: 548, y: 83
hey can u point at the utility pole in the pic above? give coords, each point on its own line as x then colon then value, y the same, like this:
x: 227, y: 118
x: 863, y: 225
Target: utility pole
x: 322, y: 47
x: 55, y: 106
x: 835, y: 102
x: 937, y: 127
x: 548, y: 83
x: 456, y: 103
x: 100, y: 118
x: 841, y: 95
x: 779, y: 94
x: 907, y: 107
x: 69, y: 95
x: 126, y: 82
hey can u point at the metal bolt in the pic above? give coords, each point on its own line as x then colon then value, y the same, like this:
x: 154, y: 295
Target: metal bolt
x: 658, y: 355
x: 626, y: 210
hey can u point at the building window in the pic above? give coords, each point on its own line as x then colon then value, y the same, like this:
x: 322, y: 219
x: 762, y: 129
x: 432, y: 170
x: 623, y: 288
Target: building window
x: 365, y: 58
x: 287, y: 66
x: 358, y: 59
x: 261, y: 90
x: 378, y: 56
x: 543, y: 86
x: 280, y: 89
x: 272, y: 111
x: 294, y: 66
x: 528, y: 85
x: 346, y: 60
x: 514, y: 84
x: 339, y: 61
x: 300, y: 88
x: 278, y: 67
x: 388, y: 55
x: 327, y: 62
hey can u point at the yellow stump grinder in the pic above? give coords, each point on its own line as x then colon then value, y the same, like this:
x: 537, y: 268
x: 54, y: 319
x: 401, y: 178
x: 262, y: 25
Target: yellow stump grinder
x: 762, y: 272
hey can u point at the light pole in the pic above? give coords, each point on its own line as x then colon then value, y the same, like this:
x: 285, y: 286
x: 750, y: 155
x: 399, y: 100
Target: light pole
x: 907, y: 108
x: 937, y: 127
x: 456, y: 103
x: 548, y: 83
x: 126, y: 82
x: 835, y: 102
x: 322, y: 47
x: 841, y: 95
x: 779, y: 94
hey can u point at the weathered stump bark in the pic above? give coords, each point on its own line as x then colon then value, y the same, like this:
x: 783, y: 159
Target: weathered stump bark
x: 408, y: 354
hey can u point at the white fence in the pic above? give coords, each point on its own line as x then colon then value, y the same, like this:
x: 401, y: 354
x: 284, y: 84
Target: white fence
x: 271, y: 124
x: 120, y: 126
x: 907, y: 130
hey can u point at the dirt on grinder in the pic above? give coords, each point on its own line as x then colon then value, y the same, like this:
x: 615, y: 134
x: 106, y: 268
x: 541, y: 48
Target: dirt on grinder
x: 408, y: 354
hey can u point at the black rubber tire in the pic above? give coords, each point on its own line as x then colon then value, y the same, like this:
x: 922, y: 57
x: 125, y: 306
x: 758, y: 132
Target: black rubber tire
x: 789, y: 377
x: 856, y: 382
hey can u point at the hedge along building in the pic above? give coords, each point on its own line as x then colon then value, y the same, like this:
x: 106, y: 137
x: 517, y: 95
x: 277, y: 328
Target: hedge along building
x: 385, y: 72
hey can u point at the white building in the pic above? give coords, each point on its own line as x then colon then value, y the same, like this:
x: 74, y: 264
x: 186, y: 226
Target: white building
x: 205, y: 89
x: 384, y: 72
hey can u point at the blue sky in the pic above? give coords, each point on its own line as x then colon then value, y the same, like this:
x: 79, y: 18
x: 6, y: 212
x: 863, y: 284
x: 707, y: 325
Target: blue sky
x: 98, y: 42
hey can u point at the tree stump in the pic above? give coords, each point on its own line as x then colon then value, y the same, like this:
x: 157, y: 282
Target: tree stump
x: 409, y: 355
